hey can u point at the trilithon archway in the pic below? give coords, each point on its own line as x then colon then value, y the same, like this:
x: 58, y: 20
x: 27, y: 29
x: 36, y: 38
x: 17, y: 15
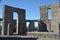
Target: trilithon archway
x: 9, y: 22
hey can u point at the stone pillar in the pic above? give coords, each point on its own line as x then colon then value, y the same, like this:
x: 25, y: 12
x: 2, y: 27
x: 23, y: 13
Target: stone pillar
x: 31, y: 26
x: 44, y: 14
x: 55, y: 17
x: 44, y: 18
x: 21, y: 22
x: 7, y: 18
x: 10, y: 29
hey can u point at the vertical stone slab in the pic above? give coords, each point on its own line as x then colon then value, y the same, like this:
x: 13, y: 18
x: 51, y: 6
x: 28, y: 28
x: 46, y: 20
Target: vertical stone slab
x: 53, y: 24
x: 9, y: 29
x: 21, y: 22
x: 44, y: 18
x: 8, y: 18
x: 31, y: 26
x: 55, y: 17
x: 44, y: 14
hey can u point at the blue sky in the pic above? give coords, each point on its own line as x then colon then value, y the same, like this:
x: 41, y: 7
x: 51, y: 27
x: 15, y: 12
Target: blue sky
x: 32, y: 7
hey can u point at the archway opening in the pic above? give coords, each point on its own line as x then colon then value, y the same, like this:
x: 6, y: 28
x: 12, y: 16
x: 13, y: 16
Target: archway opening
x: 49, y: 13
x: 15, y: 18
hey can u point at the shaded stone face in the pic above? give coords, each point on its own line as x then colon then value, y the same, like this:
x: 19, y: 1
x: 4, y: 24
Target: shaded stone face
x: 42, y: 26
x: 8, y: 20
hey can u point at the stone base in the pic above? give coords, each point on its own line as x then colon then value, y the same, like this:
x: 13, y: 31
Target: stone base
x: 17, y: 38
x: 44, y: 35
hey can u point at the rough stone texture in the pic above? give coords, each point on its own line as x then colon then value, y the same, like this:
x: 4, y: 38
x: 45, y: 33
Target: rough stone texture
x: 55, y: 20
x: 8, y: 18
x: 44, y: 18
x: 55, y: 17
x: 44, y: 35
x: 44, y: 14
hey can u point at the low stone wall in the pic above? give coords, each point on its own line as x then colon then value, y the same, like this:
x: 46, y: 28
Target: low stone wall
x: 16, y: 37
x: 32, y: 36
x: 44, y: 35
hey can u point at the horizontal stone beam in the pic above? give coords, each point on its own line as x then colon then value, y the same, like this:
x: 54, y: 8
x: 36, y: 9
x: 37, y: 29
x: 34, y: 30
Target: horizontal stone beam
x: 32, y: 20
